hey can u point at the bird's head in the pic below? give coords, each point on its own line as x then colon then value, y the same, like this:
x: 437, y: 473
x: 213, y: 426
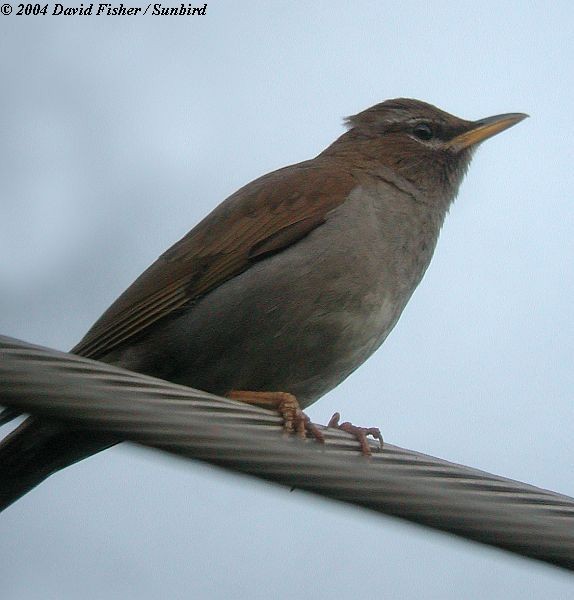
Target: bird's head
x: 427, y: 146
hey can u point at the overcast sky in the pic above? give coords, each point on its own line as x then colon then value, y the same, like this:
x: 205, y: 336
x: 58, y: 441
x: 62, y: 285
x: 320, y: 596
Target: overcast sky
x: 119, y: 133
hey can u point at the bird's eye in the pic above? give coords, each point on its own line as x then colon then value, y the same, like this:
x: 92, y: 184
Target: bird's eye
x: 423, y: 131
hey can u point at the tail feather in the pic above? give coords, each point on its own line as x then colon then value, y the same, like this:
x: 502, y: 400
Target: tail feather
x: 35, y: 450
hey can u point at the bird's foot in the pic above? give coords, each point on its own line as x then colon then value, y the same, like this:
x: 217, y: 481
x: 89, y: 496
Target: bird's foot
x: 360, y: 433
x: 294, y: 419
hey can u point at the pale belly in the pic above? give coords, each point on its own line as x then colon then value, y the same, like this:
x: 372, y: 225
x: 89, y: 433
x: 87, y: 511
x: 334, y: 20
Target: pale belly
x: 299, y: 321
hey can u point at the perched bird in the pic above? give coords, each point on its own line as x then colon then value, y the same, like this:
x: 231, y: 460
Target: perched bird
x: 287, y: 286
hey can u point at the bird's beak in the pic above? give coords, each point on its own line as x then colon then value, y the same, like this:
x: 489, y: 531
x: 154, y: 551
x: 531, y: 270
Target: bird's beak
x: 483, y: 129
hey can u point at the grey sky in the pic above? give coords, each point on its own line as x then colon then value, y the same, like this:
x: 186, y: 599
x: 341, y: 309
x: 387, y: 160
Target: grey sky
x: 119, y: 134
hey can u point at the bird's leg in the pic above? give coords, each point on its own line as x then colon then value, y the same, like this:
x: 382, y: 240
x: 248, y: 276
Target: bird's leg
x: 294, y: 419
x: 360, y: 433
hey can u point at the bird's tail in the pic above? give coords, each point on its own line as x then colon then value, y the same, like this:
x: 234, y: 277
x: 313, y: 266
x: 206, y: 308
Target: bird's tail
x: 35, y: 450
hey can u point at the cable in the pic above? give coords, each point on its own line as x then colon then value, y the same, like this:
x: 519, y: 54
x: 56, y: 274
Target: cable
x: 469, y: 503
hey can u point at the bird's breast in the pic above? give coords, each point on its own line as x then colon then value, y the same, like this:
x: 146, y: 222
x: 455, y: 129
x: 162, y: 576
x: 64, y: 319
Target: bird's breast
x: 303, y: 319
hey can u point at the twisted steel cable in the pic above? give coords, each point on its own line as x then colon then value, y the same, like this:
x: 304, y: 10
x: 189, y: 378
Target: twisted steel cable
x: 469, y: 503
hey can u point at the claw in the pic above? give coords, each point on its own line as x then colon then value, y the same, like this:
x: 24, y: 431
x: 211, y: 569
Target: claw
x: 360, y: 433
x: 295, y: 421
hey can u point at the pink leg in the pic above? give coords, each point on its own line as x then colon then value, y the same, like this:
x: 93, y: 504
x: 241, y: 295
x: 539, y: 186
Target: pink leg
x: 360, y: 433
x: 294, y: 419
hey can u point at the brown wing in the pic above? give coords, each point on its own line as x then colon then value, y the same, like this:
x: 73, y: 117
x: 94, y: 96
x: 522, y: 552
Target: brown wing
x: 264, y: 217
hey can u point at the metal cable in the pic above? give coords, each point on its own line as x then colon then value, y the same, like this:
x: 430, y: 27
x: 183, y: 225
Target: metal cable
x: 469, y: 503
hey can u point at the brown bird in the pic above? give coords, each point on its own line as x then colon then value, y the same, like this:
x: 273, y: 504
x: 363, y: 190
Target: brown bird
x: 286, y: 287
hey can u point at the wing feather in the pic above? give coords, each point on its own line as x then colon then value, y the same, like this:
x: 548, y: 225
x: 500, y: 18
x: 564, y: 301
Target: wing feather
x: 264, y: 217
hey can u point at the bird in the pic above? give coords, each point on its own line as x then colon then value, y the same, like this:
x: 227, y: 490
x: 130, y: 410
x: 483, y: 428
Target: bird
x: 287, y: 286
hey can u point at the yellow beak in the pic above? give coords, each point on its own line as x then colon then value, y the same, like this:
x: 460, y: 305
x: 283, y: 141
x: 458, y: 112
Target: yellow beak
x: 483, y: 129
